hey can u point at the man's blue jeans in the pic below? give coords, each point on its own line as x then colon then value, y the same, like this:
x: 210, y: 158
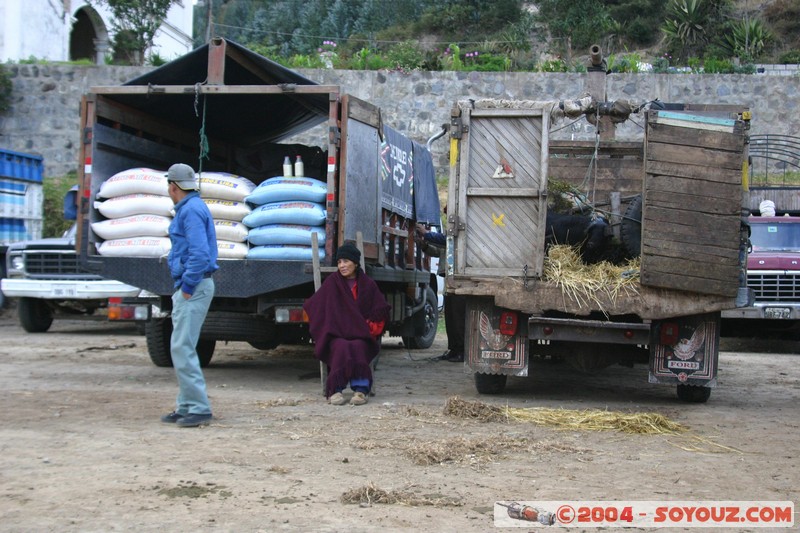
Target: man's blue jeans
x: 187, y: 320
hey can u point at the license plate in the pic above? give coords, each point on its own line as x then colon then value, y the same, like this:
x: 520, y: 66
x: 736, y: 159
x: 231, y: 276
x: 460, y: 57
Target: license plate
x: 777, y: 312
x: 64, y: 292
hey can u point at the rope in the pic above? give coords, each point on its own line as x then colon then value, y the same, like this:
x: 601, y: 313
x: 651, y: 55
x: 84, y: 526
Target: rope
x: 204, y: 148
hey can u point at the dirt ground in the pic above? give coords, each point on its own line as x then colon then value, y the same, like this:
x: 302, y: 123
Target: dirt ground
x: 82, y: 448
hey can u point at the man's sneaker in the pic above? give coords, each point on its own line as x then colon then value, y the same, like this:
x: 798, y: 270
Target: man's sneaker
x: 359, y: 398
x: 456, y: 357
x: 193, y: 421
x: 172, y: 418
x: 337, y: 398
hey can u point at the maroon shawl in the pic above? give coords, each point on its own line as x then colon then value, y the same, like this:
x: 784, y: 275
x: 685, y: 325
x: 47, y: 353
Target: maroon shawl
x: 337, y: 323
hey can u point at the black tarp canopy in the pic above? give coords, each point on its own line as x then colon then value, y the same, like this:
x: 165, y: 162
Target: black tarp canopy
x: 256, y: 119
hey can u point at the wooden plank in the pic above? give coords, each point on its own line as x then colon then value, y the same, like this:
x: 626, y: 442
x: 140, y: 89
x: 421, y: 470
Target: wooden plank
x: 696, y: 202
x: 688, y: 251
x: 728, y: 142
x: 692, y: 155
x: 648, y: 303
x: 730, y: 192
x: 681, y: 281
x: 489, y: 191
x: 362, y: 111
x: 698, y: 271
x: 616, y: 149
x: 691, y: 223
x: 694, y: 171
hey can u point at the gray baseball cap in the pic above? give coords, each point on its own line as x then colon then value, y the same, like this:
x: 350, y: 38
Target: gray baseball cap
x: 183, y: 176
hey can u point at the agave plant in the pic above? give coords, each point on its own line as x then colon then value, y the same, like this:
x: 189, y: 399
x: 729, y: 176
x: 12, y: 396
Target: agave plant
x: 746, y: 39
x: 686, y: 22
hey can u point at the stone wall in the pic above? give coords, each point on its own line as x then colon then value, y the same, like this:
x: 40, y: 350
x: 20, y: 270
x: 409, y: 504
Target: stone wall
x: 45, y: 114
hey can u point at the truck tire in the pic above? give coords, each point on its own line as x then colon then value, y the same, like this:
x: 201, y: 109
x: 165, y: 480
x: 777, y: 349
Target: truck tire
x: 158, y: 333
x: 693, y: 393
x: 490, y: 383
x: 430, y: 315
x: 631, y: 228
x: 35, y: 315
x: 205, y: 351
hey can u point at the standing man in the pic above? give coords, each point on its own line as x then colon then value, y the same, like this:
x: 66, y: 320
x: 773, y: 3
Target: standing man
x: 192, y: 261
x: 455, y: 305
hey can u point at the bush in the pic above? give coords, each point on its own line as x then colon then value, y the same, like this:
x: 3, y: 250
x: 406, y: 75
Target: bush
x: 406, y: 56
x: 54, y: 190
x: 5, y: 89
x: 790, y: 58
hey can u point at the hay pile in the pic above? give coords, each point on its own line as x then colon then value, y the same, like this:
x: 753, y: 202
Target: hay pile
x: 589, y: 283
x: 587, y: 420
x: 369, y: 494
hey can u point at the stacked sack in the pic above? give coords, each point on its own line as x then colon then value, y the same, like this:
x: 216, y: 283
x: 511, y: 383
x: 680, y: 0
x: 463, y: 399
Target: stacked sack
x: 225, y: 194
x: 288, y: 211
x: 139, y: 210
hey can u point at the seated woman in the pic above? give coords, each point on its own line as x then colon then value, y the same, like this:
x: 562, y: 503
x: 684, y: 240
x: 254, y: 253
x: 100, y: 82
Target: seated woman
x: 344, y: 342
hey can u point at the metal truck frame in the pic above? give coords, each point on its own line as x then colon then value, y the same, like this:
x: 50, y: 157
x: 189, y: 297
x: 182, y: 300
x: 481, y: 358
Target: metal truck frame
x: 242, y: 105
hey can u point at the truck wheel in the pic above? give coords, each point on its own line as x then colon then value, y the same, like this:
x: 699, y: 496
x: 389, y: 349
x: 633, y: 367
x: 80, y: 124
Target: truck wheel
x: 158, y: 332
x: 430, y: 314
x: 263, y: 345
x: 35, y: 315
x: 631, y: 227
x: 490, y: 383
x: 693, y: 393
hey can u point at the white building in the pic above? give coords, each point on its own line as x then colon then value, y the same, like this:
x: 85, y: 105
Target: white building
x: 68, y: 30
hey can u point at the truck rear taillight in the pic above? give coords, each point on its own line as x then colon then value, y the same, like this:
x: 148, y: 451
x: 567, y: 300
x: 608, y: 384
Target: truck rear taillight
x: 286, y: 315
x: 508, y: 323
x: 119, y: 311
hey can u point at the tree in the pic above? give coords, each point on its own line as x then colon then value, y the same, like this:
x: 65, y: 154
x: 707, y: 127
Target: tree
x: 575, y: 24
x: 135, y: 24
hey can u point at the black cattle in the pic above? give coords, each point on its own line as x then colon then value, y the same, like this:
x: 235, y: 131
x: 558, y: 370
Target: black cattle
x: 578, y: 230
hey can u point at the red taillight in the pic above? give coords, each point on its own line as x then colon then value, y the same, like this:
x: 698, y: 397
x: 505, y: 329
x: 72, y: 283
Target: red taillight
x: 628, y: 334
x: 297, y: 315
x: 508, y: 323
x: 547, y: 330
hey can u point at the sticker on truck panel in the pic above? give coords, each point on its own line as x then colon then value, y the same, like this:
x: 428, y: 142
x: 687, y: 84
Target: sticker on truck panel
x: 685, y: 350
x: 489, y: 350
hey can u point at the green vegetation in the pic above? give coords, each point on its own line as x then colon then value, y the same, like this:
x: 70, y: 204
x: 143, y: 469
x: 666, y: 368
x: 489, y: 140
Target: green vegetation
x: 54, y: 190
x: 5, y: 89
x: 508, y: 35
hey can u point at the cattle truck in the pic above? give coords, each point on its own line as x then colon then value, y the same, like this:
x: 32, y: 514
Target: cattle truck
x: 679, y: 194
x: 225, y: 108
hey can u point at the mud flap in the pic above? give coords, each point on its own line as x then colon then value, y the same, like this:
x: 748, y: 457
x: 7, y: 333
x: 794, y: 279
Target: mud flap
x: 685, y: 350
x: 489, y: 351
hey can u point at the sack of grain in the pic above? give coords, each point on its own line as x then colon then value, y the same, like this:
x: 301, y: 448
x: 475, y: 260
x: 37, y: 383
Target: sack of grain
x: 132, y: 226
x: 303, y: 213
x: 135, y: 181
x: 230, y: 230
x: 283, y: 252
x: 288, y: 189
x: 135, y: 247
x: 227, y: 209
x: 135, y: 204
x: 285, y: 234
x: 224, y: 186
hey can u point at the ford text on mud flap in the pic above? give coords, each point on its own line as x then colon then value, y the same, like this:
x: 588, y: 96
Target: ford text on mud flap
x: 248, y: 110
x: 686, y: 178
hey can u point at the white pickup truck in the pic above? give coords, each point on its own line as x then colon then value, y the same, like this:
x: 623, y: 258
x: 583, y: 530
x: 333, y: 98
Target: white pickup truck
x: 45, y: 277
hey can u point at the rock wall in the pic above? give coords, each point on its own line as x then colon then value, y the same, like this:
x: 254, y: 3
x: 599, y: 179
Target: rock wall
x: 45, y: 113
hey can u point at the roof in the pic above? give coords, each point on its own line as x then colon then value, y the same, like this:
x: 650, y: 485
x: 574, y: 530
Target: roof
x: 242, y: 118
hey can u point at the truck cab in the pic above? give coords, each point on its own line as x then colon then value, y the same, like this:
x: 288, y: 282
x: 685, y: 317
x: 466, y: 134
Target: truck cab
x: 773, y: 274
x: 46, y: 279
